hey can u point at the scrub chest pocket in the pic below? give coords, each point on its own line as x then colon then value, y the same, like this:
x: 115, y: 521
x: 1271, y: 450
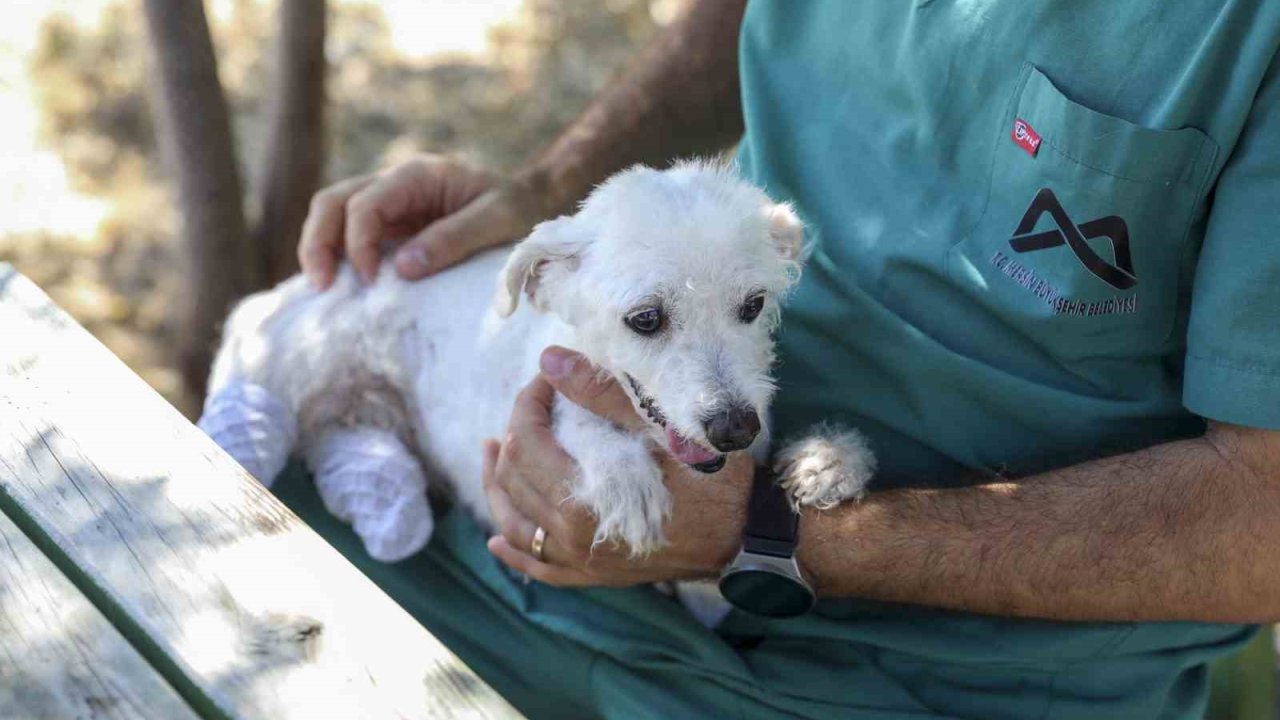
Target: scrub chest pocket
x: 1083, y: 238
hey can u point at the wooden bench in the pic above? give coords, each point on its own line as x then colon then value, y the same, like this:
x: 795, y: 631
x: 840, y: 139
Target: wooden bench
x: 143, y: 573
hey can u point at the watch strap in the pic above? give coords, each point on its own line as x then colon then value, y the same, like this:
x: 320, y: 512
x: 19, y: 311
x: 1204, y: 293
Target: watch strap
x: 772, y: 522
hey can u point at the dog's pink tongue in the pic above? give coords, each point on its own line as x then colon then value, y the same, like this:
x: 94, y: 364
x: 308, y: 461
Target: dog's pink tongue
x: 689, y: 453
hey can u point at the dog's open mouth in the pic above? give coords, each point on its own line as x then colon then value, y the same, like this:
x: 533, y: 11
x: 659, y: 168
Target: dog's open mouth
x: 681, y: 448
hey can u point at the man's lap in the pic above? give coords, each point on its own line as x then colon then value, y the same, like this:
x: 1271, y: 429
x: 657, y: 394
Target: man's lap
x: 636, y: 653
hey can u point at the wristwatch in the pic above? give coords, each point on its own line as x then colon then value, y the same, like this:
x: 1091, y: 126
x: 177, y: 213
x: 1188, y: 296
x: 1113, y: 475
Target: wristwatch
x: 764, y: 579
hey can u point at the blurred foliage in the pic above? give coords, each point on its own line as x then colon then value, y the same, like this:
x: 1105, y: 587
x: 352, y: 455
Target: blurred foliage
x: 541, y: 69
x: 92, y: 87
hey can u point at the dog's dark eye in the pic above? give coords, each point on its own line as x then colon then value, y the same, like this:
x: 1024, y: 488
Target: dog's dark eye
x: 646, y: 322
x: 750, y: 309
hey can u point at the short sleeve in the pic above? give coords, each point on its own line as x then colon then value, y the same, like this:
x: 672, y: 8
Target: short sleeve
x: 1233, y: 339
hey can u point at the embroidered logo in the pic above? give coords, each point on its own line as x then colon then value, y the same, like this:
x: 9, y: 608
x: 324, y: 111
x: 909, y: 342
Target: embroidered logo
x: 1026, y: 138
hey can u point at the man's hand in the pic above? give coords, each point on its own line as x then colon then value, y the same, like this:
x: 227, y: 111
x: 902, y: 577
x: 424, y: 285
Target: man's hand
x: 526, y: 478
x: 443, y: 211
x: 680, y: 98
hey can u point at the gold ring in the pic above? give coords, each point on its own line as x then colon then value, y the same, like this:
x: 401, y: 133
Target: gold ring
x: 539, y: 543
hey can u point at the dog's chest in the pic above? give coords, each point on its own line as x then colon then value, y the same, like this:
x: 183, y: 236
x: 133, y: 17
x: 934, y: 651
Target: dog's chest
x: 467, y: 371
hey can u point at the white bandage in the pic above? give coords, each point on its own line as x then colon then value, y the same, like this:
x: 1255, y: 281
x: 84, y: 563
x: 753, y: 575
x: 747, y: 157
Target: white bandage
x: 368, y: 478
x: 253, y: 426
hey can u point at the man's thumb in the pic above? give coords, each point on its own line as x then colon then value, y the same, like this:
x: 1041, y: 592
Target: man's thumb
x: 583, y: 384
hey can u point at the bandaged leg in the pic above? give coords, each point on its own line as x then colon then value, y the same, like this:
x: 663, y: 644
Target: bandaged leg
x: 253, y: 426
x: 368, y: 478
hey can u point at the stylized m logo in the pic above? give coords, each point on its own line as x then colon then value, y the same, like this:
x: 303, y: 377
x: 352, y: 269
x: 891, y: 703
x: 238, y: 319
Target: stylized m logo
x: 1119, y: 276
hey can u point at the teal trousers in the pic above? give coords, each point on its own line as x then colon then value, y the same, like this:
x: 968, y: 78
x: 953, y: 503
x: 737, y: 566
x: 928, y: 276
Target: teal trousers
x: 635, y: 653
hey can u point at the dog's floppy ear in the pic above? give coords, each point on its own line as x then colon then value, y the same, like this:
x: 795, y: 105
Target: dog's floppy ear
x: 551, y: 251
x: 786, y: 229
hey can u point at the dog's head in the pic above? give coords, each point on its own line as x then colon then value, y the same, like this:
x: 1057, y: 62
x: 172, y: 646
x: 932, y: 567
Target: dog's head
x: 671, y: 280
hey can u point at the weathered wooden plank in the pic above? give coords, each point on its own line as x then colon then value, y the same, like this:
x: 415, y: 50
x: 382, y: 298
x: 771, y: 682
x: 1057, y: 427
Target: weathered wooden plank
x: 262, y: 615
x: 60, y: 659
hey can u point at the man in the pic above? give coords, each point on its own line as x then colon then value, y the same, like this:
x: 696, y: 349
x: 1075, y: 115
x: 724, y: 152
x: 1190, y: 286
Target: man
x: 1045, y: 265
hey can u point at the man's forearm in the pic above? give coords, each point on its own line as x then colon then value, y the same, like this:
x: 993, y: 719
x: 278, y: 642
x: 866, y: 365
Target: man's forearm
x: 681, y: 97
x: 1189, y: 530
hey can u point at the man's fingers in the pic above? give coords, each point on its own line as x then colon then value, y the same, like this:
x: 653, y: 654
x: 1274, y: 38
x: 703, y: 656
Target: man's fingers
x: 482, y: 223
x: 534, y: 471
x: 543, y: 488
x: 516, y: 515
x: 509, y: 521
x: 586, y: 385
x: 490, y: 452
x: 531, y: 413
x: 531, y: 472
x: 559, y: 575
x: 518, y: 521
x: 457, y: 204
x: 443, y: 243
x: 320, y: 244
x: 543, y: 572
x: 376, y: 208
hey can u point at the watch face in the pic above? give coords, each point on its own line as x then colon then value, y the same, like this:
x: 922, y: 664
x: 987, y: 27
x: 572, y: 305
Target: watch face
x: 762, y: 592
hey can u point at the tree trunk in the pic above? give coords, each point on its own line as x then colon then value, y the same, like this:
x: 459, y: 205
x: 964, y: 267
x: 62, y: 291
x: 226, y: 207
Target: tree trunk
x: 295, y: 151
x: 197, y: 136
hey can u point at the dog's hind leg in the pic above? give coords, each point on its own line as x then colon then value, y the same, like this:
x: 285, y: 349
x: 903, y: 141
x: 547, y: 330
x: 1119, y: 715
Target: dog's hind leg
x: 332, y: 371
x: 357, y: 439
x: 368, y: 478
x: 252, y: 425
x: 251, y: 422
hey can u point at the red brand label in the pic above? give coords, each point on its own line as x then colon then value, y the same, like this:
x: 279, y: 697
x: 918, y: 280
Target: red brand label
x: 1026, y: 138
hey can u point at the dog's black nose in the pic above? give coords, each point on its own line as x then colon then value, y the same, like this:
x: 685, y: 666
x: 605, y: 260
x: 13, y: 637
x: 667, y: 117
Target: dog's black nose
x: 734, y: 429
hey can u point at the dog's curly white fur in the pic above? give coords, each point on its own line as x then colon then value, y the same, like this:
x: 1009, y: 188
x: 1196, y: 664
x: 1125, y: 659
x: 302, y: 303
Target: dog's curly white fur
x: 437, y: 364
x: 826, y: 467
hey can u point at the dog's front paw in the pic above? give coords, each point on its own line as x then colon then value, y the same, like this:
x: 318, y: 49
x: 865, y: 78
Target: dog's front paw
x: 826, y: 468
x: 630, y: 502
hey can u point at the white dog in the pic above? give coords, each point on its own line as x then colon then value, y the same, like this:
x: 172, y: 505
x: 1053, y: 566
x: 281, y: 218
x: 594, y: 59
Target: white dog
x: 669, y: 280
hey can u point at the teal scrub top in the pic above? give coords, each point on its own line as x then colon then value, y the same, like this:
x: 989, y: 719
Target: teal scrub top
x: 1042, y: 231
